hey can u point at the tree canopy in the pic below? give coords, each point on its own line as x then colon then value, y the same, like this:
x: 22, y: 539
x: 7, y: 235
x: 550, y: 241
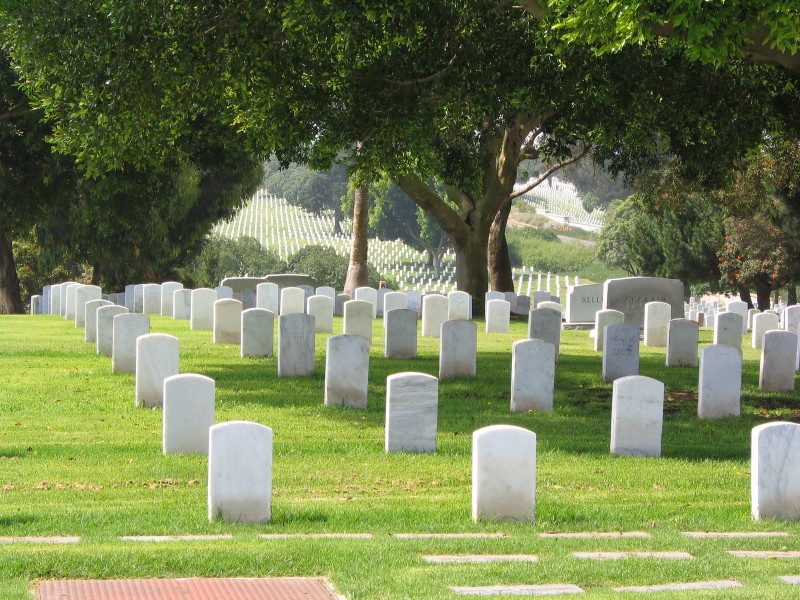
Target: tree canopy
x: 714, y: 32
x: 462, y: 91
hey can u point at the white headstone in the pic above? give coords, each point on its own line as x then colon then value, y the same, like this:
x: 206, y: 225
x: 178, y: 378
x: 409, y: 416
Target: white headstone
x: 620, y: 351
x: 775, y: 471
x: 240, y: 472
x: 138, y: 298
x: 751, y: 313
x: 156, y: 359
x: 151, y: 299
x: 401, y: 333
x: 602, y: 319
x: 358, y: 318
x: 412, y: 401
x: 223, y: 292
x: 295, y: 345
x: 434, y: 313
x: 533, y: 366
x: 258, y: 332
x: 202, y: 309
x: 728, y: 327
x: 68, y: 290
x: 682, y: 341
x: 740, y: 308
x: 498, y: 316
x: 762, y: 323
x: 657, y: 316
x: 105, y: 328
x: 127, y: 327
x: 459, y: 306
x: 391, y: 301
x: 380, y: 309
x: 55, y: 300
x: 791, y: 323
x: 227, y: 321
x: 550, y: 304
x: 268, y: 297
x: 68, y: 307
x: 414, y: 301
x: 347, y: 371
x: 84, y: 294
x: 188, y: 414
x: 494, y: 295
x: 326, y: 290
x: 90, y: 319
x: 458, y: 349
x: 541, y: 296
x: 503, y: 473
x: 778, y: 361
x: 168, y: 289
x: 368, y: 294
x: 293, y: 301
x: 545, y: 324
x: 182, y: 304
x: 719, y: 391
x: 583, y: 301
x: 321, y: 308
x: 130, y: 302
x: 637, y: 414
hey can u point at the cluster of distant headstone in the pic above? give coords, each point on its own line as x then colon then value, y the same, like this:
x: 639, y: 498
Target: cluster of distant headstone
x: 285, y: 229
x: 560, y: 200
x: 243, y: 311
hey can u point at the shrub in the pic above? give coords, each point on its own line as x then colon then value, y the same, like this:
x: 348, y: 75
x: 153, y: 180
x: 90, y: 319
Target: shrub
x: 327, y: 267
x: 223, y: 257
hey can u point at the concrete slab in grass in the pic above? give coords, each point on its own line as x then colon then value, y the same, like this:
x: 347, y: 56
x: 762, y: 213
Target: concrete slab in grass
x: 624, y: 555
x: 764, y: 553
x: 734, y: 534
x: 595, y: 534
x: 445, y: 536
x: 449, y: 559
x: 552, y: 589
x: 40, y: 540
x: 175, y: 538
x: 681, y: 587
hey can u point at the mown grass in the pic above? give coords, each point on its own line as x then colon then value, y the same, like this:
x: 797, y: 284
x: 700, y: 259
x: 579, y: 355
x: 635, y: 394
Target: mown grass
x: 78, y: 458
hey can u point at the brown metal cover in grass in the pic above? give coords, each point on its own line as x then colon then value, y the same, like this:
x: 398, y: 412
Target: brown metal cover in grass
x: 275, y: 588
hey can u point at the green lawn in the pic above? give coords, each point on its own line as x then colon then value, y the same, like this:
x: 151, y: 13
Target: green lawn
x: 77, y: 458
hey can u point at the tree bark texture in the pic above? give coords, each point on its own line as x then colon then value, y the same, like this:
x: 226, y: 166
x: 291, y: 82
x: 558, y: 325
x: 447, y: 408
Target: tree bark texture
x: 357, y: 272
x: 501, y: 277
x: 744, y: 296
x: 10, y: 293
x: 763, y: 290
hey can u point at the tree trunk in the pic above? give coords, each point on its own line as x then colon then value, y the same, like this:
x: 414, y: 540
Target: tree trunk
x: 763, y: 290
x: 10, y: 294
x: 744, y: 295
x: 337, y: 223
x: 501, y: 277
x: 357, y: 273
x: 791, y: 295
x: 471, y: 267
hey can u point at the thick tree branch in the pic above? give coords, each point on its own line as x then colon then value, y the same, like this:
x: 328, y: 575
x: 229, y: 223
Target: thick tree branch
x: 427, y: 199
x: 572, y: 159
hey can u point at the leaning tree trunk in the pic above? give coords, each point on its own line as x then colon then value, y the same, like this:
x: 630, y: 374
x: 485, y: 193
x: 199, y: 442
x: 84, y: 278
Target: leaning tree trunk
x: 357, y: 272
x: 10, y: 294
x: 501, y: 277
